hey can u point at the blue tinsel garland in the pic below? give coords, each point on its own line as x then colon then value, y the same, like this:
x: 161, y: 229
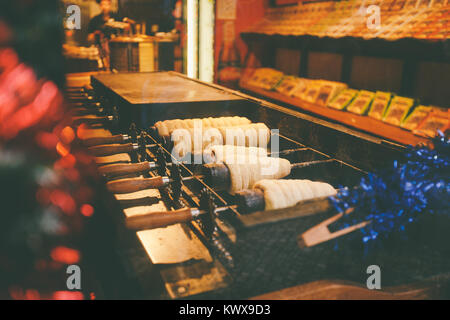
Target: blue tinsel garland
x: 397, y: 196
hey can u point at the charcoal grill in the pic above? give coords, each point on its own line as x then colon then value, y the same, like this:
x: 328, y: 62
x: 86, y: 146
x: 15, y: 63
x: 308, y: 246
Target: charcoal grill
x: 260, y: 250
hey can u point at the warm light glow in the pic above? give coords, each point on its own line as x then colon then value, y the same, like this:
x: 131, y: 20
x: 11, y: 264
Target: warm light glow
x: 46, y: 140
x: 8, y: 59
x: 87, y: 210
x: 191, y: 54
x: 206, y: 47
x: 68, y: 295
x: 67, y: 135
x: 65, y: 255
x: 63, y: 200
x: 46, y: 103
x: 72, y: 174
x: 68, y: 161
x: 62, y: 149
x: 32, y: 294
x: 82, y: 131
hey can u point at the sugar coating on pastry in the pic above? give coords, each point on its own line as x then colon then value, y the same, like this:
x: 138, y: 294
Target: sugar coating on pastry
x: 166, y: 127
x: 245, y: 175
x: 287, y: 193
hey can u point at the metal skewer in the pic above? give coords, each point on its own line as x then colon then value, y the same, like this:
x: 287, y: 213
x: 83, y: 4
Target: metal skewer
x: 207, y: 211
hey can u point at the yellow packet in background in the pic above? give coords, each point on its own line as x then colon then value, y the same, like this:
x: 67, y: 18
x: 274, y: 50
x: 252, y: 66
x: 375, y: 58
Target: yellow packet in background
x: 265, y: 78
x: 437, y: 119
x: 343, y: 99
x: 328, y: 90
x: 271, y: 79
x: 312, y: 91
x: 287, y: 85
x: 398, y: 109
x: 380, y: 104
x: 416, y: 117
x: 362, y: 102
x: 300, y: 90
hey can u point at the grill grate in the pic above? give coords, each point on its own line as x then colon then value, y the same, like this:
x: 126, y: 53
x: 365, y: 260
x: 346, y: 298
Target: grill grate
x: 312, y: 164
x: 267, y: 257
x: 241, y: 251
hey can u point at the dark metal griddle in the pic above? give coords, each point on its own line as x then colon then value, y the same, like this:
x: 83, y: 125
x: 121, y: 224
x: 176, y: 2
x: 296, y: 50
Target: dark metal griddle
x: 159, y: 88
x: 145, y: 98
x: 154, y: 96
x: 266, y: 255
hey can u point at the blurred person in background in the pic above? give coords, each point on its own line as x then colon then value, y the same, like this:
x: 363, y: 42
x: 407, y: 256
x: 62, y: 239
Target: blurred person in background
x: 96, y: 27
x: 99, y: 32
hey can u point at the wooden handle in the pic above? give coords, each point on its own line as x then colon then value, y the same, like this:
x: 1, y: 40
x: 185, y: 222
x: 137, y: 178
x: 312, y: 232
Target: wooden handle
x: 83, y: 112
x: 77, y: 95
x: 80, y: 97
x: 108, y: 150
x: 115, y: 170
x: 134, y: 184
x: 103, y: 140
x: 153, y: 220
x: 89, y: 121
x: 80, y: 101
x: 88, y: 105
x: 84, y: 105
